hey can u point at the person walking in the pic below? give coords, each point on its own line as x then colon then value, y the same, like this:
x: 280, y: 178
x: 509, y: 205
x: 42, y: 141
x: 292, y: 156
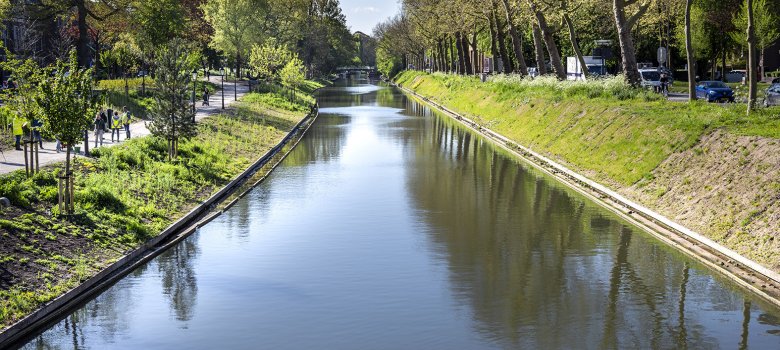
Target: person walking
x: 37, y: 125
x: 116, y: 125
x: 18, y: 127
x: 126, y: 119
x: 206, y: 97
x: 100, y: 127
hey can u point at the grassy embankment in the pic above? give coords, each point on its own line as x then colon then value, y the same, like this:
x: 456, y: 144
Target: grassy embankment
x: 124, y: 196
x: 645, y: 147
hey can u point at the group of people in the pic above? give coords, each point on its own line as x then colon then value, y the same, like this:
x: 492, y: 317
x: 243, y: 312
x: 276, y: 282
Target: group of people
x: 109, y: 119
x: 18, y: 125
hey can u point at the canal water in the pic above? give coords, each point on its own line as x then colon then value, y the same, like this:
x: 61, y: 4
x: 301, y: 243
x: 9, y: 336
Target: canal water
x: 390, y: 227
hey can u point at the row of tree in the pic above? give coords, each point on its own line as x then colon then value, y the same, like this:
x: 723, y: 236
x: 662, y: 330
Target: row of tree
x: 454, y: 35
x: 119, y: 37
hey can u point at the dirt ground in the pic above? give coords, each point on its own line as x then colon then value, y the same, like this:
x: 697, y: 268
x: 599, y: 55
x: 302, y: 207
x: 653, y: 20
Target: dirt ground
x: 727, y: 187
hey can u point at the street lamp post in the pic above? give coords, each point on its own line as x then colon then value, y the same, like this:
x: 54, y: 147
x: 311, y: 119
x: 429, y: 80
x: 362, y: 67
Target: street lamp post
x: 222, y: 73
x: 235, y: 84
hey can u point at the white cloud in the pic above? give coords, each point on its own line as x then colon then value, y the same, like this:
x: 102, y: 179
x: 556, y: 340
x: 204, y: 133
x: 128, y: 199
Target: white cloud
x: 365, y: 9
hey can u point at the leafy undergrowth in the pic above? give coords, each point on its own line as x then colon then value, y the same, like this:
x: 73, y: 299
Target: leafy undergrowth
x: 604, y: 128
x: 124, y: 196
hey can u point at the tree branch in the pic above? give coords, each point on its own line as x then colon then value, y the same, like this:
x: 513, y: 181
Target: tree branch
x: 631, y: 21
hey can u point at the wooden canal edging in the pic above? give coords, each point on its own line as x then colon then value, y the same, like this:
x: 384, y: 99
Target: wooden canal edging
x: 11, y: 336
x: 750, y: 275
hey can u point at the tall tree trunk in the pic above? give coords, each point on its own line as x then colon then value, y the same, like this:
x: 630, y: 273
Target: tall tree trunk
x: 689, y: 53
x: 624, y: 26
x: 508, y: 65
x: 461, y: 53
x: 83, y: 40
x: 494, y: 43
x: 539, y: 49
x: 575, y: 45
x: 751, y: 40
x: 723, y: 61
x: 453, y: 59
x: 474, y: 53
x: 517, y: 43
x: 549, y: 42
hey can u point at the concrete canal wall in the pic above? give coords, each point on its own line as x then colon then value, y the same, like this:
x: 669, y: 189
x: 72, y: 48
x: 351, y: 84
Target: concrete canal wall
x: 715, y: 199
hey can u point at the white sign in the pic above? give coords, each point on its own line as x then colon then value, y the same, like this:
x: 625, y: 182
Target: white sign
x: 662, y: 55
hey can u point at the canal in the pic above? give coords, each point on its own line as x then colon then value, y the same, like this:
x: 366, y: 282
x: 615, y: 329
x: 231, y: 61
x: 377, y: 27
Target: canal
x: 390, y: 227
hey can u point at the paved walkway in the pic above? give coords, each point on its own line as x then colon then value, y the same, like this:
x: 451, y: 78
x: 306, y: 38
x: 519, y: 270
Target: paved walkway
x: 14, y: 160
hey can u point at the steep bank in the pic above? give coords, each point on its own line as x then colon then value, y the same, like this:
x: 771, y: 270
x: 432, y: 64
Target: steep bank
x: 125, y: 195
x: 706, y: 166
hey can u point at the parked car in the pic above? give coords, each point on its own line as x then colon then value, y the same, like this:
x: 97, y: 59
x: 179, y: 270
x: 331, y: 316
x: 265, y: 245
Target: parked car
x: 772, y: 95
x: 776, y: 81
x: 651, y: 78
x: 736, y: 76
x: 714, y: 91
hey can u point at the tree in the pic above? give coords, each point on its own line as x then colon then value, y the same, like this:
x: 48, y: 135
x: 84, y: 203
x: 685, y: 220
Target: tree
x: 26, y: 75
x: 765, y: 24
x: 689, y: 53
x: 66, y: 102
x: 268, y: 59
x: 172, y: 115
x: 89, y: 15
x: 517, y: 41
x: 237, y: 25
x: 624, y: 24
x: 549, y: 41
x: 293, y: 74
x: 751, y: 41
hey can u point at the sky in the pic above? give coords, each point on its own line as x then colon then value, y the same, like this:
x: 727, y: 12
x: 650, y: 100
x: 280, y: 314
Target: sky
x: 363, y: 15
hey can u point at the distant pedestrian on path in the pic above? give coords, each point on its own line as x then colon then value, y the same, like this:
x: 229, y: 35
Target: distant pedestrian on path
x: 100, y: 127
x: 116, y: 125
x: 18, y: 127
x: 206, y: 97
x: 37, y: 125
x: 126, y: 119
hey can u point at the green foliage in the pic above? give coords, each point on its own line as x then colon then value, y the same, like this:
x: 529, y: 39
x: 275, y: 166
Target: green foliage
x: 65, y: 100
x: 172, y: 116
x: 766, y: 22
x: 159, y: 21
x: 268, y: 59
x: 237, y: 24
x: 293, y: 74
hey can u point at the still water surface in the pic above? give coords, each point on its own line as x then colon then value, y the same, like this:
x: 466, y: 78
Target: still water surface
x: 390, y: 227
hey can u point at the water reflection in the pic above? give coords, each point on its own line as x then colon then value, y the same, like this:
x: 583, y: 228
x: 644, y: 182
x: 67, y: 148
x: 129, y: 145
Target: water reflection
x: 391, y: 228
x: 542, y: 268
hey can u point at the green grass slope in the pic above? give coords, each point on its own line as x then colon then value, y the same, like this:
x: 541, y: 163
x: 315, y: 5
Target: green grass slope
x: 604, y: 128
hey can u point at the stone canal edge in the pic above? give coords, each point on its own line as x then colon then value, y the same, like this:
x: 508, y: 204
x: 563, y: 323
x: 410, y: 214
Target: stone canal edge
x: 748, y: 274
x: 176, y: 232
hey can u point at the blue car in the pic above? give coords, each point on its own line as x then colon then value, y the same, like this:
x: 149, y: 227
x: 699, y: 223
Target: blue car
x: 714, y: 91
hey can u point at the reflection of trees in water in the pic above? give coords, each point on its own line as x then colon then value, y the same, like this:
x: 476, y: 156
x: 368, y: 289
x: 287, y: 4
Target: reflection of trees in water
x: 179, y: 280
x: 540, y: 267
x: 322, y: 143
x: 109, y: 312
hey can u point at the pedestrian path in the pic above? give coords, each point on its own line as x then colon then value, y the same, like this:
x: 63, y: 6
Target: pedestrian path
x: 14, y: 160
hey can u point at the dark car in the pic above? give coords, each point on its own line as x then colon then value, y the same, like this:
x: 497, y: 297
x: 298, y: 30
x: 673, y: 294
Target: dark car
x: 772, y: 95
x: 714, y: 91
